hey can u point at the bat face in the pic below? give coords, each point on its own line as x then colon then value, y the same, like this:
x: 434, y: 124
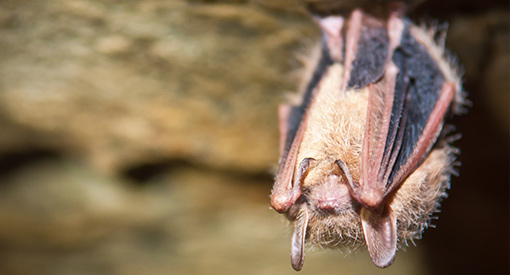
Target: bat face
x: 361, y: 163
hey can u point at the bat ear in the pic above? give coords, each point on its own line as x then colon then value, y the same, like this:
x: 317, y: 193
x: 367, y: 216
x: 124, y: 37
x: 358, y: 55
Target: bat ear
x: 380, y: 230
x: 297, y: 257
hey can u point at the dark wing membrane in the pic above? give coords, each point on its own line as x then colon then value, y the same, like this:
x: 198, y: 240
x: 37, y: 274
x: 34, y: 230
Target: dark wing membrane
x: 420, y: 85
x: 396, y: 143
x: 371, y: 53
x: 404, y: 117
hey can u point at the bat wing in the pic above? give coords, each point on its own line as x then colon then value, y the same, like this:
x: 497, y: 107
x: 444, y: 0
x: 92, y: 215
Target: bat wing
x: 409, y: 96
x: 405, y: 115
x: 365, y: 52
x: 292, y: 120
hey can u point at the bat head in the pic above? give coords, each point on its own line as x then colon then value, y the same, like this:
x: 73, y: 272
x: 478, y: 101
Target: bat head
x: 326, y: 187
x: 332, y: 212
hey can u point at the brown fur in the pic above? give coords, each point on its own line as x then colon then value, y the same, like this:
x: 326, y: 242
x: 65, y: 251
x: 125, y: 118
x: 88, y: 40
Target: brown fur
x: 336, y: 128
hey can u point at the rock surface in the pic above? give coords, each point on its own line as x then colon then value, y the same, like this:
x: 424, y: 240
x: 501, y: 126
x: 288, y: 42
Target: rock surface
x: 127, y: 82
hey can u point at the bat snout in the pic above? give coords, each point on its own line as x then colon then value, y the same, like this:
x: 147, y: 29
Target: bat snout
x: 331, y: 196
x: 330, y: 205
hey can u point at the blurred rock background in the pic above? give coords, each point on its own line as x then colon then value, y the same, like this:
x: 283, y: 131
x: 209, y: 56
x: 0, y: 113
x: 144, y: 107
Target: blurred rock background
x: 139, y: 137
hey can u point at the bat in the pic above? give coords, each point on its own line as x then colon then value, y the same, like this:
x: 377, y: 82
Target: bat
x: 364, y: 157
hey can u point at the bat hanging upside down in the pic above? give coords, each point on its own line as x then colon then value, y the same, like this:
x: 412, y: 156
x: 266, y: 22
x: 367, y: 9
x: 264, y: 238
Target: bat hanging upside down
x: 364, y: 160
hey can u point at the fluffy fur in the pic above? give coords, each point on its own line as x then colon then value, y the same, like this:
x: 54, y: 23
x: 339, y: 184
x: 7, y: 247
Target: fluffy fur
x: 336, y: 128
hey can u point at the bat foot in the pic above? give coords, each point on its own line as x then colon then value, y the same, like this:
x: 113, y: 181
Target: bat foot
x: 371, y: 198
x: 282, y: 202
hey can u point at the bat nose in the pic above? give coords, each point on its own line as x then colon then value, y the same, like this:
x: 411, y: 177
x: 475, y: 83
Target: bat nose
x: 328, y: 205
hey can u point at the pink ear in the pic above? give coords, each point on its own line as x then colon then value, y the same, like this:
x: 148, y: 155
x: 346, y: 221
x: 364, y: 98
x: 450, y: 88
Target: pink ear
x: 297, y: 257
x: 380, y: 230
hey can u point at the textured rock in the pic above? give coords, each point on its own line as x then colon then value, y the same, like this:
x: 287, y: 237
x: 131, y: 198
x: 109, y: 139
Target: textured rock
x: 131, y: 82
x: 60, y: 204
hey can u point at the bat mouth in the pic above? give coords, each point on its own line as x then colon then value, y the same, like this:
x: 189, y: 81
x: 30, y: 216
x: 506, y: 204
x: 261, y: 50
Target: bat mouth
x: 334, y: 207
